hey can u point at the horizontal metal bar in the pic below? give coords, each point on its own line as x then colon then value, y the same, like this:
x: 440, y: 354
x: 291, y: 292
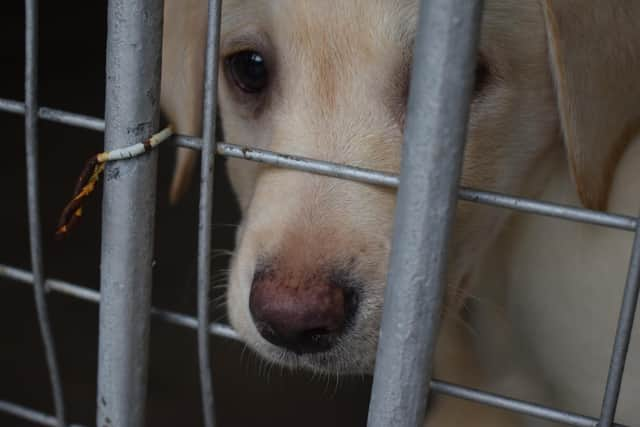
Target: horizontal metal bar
x: 514, y: 405
x: 29, y: 414
x: 56, y: 116
x: 9, y: 106
x: 86, y: 294
x: 309, y: 165
x: 554, y: 210
x: 71, y: 119
x: 186, y: 141
x: 369, y: 176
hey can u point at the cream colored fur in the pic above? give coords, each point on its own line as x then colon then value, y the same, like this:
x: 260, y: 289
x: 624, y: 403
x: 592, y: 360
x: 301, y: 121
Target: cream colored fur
x: 561, y: 285
x: 562, y: 70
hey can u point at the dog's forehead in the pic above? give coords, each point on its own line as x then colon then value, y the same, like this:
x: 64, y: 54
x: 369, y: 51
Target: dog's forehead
x: 395, y: 19
x: 312, y: 20
x: 353, y: 28
x: 330, y: 55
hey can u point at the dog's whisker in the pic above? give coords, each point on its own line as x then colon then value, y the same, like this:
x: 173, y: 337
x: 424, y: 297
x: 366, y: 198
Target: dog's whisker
x: 220, y: 308
x: 217, y: 282
x: 337, y: 386
x: 222, y: 271
x: 220, y: 318
x: 220, y: 305
x: 217, y: 256
x: 218, y: 298
x: 243, y: 351
x: 220, y: 279
x: 220, y: 274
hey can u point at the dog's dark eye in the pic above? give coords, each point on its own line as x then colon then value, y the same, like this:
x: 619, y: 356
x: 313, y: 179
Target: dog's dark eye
x: 248, y: 71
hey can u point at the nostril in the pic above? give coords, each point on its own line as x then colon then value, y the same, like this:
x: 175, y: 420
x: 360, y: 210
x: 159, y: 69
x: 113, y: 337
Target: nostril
x: 301, y: 314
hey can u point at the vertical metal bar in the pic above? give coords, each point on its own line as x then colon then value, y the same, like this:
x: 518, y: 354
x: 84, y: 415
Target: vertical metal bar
x: 129, y: 202
x: 441, y: 87
x: 623, y: 336
x: 206, y: 209
x: 35, y: 234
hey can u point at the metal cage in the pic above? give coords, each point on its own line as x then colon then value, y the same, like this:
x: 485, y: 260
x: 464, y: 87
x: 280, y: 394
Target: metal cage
x: 132, y: 111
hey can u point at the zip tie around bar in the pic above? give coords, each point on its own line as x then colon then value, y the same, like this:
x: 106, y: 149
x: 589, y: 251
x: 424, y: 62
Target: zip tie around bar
x: 91, y: 174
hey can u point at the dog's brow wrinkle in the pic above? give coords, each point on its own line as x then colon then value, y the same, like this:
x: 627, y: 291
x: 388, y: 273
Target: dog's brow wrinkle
x: 243, y: 41
x: 483, y: 74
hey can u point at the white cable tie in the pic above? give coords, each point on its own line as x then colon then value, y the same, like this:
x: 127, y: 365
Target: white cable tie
x: 136, y: 150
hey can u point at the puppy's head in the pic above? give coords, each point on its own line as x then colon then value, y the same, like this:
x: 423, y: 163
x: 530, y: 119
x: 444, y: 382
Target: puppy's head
x: 329, y: 80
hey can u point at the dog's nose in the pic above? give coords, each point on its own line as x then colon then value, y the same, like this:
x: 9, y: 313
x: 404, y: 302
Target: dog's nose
x: 305, y: 314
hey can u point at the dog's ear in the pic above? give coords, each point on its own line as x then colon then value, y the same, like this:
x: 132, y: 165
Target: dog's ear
x: 185, y: 24
x: 594, y: 49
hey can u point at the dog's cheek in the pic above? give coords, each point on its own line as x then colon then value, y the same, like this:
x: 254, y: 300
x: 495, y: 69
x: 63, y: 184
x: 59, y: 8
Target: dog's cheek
x: 238, y: 293
x: 242, y: 175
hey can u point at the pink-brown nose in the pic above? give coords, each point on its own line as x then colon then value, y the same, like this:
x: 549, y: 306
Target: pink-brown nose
x: 302, y: 314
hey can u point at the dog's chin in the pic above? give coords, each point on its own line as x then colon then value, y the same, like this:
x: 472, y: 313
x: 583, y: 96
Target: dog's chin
x: 341, y: 359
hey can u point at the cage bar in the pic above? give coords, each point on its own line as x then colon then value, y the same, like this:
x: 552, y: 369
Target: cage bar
x: 206, y: 208
x: 87, y: 294
x: 435, y: 136
x: 623, y: 336
x: 514, y: 405
x: 30, y: 415
x: 56, y: 116
x: 132, y: 115
x: 33, y: 199
x: 369, y: 176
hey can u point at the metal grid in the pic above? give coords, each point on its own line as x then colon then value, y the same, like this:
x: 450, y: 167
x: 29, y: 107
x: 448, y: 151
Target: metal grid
x: 445, y: 26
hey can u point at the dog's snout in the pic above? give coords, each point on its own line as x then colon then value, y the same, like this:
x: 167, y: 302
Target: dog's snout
x: 302, y: 313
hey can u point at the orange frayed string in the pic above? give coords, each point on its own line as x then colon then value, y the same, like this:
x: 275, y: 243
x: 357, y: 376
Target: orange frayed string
x: 91, y: 175
x: 86, y: 185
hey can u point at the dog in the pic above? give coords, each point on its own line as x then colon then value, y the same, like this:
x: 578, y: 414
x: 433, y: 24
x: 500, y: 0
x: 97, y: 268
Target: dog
x: 555, y: 115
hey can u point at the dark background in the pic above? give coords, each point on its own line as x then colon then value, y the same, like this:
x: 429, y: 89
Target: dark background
x: 248, y: 393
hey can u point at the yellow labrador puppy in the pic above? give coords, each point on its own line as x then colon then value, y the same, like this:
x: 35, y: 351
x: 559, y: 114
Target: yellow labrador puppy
x: 555, y: 113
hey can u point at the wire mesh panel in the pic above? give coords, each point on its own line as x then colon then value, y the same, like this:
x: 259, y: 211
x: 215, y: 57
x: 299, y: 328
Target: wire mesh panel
x: 374, y: 177
x: 447, y: 35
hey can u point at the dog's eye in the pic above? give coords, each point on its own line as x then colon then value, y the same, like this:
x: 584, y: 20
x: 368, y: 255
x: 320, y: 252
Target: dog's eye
x: 248, y: 71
